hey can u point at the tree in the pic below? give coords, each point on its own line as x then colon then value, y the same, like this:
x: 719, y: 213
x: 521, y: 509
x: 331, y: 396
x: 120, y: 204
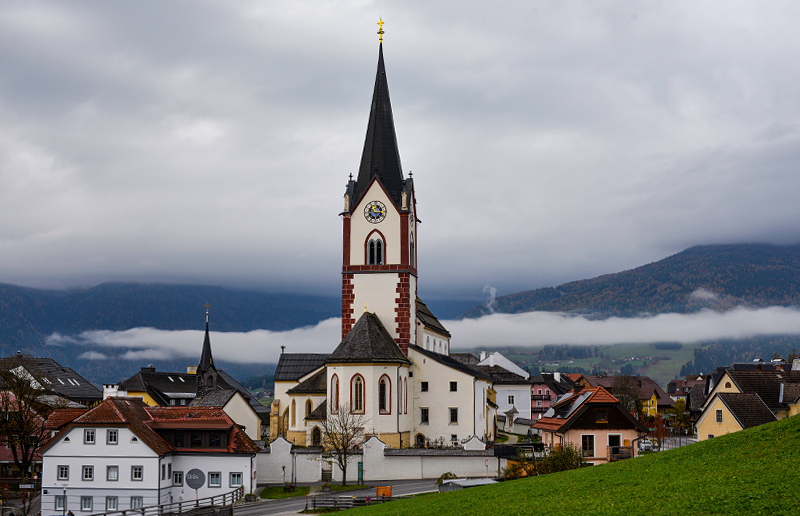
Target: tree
x: 625, y: 390
x: 344, y: 431
x: 25, y: 404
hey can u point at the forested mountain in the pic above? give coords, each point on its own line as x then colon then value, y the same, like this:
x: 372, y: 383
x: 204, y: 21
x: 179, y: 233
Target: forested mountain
x: 715, y: 276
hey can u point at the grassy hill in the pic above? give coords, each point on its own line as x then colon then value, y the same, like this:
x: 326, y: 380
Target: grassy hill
x: 715, y: 276
x: 749, y: 472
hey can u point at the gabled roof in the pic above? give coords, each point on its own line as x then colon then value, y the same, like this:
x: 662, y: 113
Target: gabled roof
x: 466, y: 358
x: 161, y: 386
x: 381, y: 157
x: 568, y: 409
x: 429, y: 320
x: 293, y: 366
x: 748, y: 409
x: 368, y: 341
x: 218, y: 398
x: 790, y: 393
x: 767, y: 384
x: 549, y: 380
x: 643, y: 384
x: 697, y: 398
x: 316, y: 384
x: 142, y: 420
x: 320, y: 413
x: 501, y: 376
x: 64, y: 381
x: 452, y: 363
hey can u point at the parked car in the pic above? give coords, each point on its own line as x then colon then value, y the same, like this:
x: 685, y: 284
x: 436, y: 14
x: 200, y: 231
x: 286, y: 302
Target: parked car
x: 646, y: 445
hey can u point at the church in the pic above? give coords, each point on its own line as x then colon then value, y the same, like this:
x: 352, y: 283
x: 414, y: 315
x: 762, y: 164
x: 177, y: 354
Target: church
x: 393, y: 367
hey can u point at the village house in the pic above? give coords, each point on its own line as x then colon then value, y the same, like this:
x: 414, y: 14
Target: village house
x: 595, y: 422
x: 123, y: 454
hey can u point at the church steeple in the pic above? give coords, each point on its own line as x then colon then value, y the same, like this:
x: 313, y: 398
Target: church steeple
x: 381, y: 157
x: 206, y: 371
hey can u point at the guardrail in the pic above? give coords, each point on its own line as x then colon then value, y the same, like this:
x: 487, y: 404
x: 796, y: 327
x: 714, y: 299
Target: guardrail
x: 346, y: 502
x: 194, y: 506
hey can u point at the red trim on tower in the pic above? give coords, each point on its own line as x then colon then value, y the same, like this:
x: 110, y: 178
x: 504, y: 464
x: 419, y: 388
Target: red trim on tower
x: 403, y: 311
x: 346, y: 241
x: 403, y: 238
x: 348, y: 299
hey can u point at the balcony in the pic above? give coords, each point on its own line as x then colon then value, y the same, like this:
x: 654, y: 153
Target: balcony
x: 619, y: 453
x: 537, y: 410
x: 540, y: 396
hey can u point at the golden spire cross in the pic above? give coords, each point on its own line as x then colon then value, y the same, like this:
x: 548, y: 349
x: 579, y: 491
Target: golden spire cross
x: 380, y: 30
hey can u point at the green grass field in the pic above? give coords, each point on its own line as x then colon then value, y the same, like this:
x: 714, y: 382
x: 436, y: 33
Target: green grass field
x: 750, y: 472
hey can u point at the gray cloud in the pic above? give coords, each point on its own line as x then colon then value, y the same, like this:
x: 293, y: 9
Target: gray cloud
x: 210, y: 141
x: 528, y: 329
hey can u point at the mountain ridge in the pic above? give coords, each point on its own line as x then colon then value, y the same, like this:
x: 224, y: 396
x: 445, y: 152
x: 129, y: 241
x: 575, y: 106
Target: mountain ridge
x: 713, y: 276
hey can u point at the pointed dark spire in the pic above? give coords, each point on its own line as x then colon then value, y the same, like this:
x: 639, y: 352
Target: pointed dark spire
x: 206, y: 360
x: 381, y: 157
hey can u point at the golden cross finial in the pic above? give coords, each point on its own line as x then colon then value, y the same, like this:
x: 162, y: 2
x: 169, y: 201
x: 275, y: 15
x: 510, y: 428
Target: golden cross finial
x: 206, y: 305
x: 380, y: 30
x: 365, y: 307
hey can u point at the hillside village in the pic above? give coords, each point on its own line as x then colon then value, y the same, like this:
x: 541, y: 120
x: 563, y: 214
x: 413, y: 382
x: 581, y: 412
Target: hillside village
x: 411, y: 407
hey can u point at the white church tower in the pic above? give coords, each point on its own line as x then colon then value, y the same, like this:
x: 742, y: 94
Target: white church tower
x: 379, y: 263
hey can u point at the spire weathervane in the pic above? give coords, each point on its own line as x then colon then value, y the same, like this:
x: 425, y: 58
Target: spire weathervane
x: 380, y: 30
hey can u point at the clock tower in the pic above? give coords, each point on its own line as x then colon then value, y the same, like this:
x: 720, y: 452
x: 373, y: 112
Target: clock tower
x: 379, y: 262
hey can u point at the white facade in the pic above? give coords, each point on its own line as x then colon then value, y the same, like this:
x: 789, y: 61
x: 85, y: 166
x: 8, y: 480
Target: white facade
x: 516, y: 396
x: 437, y: 390
x: 101, y: 472
x: 397, y: 416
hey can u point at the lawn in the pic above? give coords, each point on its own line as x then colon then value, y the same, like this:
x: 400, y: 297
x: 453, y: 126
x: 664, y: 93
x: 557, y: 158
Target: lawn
x: 750, y: 472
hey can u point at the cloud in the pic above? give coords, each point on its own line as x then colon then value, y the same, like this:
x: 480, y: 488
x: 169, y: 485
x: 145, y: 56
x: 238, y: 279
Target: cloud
x: 540, y: 328
x: 211, y: 142
x: 528, y: 329
x: 259, y: 346
x: 703, y: 294
x: 93, y: 355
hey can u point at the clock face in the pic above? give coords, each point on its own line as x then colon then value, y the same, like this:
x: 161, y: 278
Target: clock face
x: 375, y: 212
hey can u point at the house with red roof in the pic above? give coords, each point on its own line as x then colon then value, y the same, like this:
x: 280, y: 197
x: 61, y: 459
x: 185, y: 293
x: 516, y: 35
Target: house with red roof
x: 123, y: 454
x: 593, y: 420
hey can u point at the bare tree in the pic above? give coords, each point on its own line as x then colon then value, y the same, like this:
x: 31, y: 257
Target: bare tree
x: 25, y: 404
x: 344, y: 431
x: 626, y: 391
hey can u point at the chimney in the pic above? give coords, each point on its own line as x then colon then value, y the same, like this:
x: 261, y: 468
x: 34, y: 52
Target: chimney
x: 483, y: 356
x: 491, y: 359
x: 192, y: 369
x: 557, y: 377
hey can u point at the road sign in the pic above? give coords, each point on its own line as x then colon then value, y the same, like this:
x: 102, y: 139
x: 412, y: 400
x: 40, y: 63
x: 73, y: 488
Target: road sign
x: 195, y: 479
x: 26, y: 486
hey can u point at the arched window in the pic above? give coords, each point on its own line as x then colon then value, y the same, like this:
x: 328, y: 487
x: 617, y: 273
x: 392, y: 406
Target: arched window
x: 316, y: 437
x: 405, y: 395
x: 334, y: 394
x: 375, y: 251
x: 294, y: 413
x: 411, y: 251
x: 357, y: 395
x: 385, y: 395
x: 309, y: 407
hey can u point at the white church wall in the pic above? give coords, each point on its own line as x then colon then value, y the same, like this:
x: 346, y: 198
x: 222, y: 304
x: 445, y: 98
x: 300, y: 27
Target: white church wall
x: 439, y: 399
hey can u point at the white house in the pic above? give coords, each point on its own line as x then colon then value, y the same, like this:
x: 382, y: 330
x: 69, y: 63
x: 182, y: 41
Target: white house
x: 123, y: 455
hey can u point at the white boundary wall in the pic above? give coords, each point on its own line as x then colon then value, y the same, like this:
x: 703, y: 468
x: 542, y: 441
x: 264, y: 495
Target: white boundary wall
x: 379, y: 463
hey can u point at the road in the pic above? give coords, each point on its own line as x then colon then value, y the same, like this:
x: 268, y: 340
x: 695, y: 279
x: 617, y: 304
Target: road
x: 294, y: 505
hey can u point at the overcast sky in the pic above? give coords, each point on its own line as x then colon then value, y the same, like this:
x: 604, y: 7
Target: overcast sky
x: 210, y: 141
